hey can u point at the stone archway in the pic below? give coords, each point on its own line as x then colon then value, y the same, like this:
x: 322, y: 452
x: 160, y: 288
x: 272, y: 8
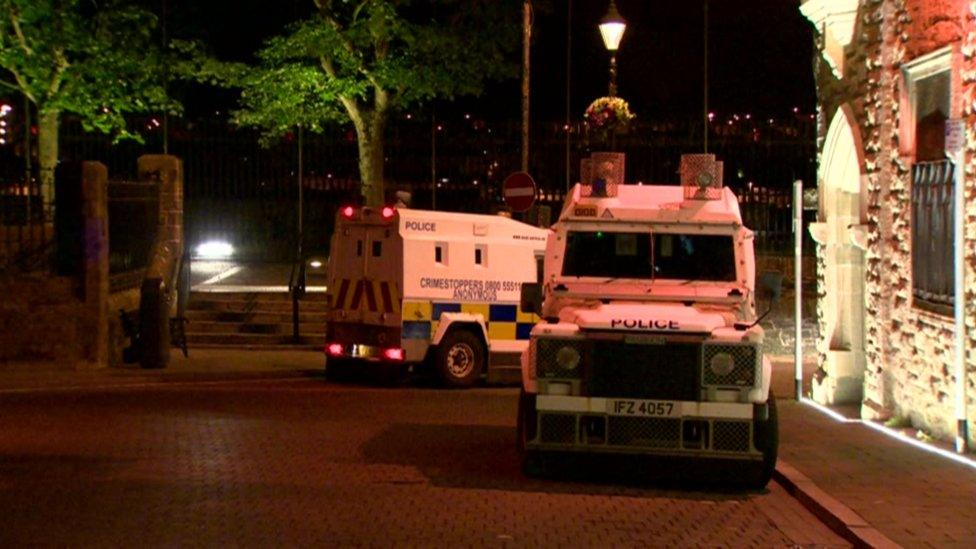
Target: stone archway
x: 841, y: 236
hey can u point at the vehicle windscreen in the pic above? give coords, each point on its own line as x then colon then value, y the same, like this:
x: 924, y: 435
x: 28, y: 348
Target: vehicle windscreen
x: 650, y: 256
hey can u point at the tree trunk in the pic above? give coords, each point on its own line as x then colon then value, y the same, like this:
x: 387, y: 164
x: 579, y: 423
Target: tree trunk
x: 371, y: 145
x: 48, y: 125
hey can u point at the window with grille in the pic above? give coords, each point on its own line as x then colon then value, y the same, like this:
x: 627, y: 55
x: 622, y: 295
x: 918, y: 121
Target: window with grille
x: 933, y: 180
x: 932, y: 238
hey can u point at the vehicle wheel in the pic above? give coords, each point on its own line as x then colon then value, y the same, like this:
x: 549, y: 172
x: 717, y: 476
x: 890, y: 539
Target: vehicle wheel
x: 460, y: 359
x: 532, y: 461
x: 767, y: 441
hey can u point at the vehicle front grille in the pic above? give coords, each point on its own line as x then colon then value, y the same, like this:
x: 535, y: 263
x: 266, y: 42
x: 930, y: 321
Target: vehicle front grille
x: 731, y: 436
x: 557, y: 428
x: 630, y: 370
x: 646, y: 432
x: 650, y: 433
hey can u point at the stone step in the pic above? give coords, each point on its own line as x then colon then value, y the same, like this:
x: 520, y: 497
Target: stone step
x: 210, y: 327
x: 260, y: 347
x: 255, y: 317
x: 255, y: 296
x: 504, y: 375
x: 504, y: 369
x: 242, y: 305
x: 253, y: 341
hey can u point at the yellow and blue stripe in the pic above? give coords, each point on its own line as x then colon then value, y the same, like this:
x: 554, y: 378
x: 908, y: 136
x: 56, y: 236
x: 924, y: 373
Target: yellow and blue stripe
x: 504, y: 321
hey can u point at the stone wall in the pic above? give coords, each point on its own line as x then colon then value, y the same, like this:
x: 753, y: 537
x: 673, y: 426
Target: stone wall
x: 909, y: 352
x: 64, y: 319
x: 74, y: 320
x: 40, y: 319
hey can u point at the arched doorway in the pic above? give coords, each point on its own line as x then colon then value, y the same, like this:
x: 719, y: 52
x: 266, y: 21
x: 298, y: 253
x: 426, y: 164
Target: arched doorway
x: 841, y: 235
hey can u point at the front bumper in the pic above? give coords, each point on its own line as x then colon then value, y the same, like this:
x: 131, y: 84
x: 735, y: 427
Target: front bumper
x: 699, y: 429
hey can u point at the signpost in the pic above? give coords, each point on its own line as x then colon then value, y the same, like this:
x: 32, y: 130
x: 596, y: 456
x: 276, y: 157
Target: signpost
x: 519, y: 191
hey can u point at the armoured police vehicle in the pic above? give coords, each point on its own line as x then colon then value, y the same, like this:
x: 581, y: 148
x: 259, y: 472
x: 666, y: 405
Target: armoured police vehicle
x: 649, y: 342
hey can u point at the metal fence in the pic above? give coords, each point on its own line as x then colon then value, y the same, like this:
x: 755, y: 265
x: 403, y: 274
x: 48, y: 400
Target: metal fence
x: 133, y: 218
x: 239, y: 191
x: 26, y: 233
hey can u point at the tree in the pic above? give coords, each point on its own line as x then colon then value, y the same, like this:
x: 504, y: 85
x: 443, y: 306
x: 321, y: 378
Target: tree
x: 361, y: 60
x: 94, y: 60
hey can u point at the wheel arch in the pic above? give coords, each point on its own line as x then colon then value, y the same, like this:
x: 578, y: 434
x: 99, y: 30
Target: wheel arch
x: 475, y: 323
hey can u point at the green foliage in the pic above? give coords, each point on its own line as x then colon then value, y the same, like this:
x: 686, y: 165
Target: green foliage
x: 360, y: 59
x: 898, y: 422
x: 97, y: 60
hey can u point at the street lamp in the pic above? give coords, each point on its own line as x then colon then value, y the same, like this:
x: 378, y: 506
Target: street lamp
x: 612, y: 29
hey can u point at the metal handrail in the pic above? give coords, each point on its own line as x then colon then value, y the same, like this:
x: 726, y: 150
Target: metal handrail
x: 297, y: 282
x: 182, y: 284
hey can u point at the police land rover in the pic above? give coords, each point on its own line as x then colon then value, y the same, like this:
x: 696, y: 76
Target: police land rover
x: 649, y: 342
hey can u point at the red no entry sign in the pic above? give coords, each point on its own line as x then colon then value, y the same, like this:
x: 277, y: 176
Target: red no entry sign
x: 519, y: 191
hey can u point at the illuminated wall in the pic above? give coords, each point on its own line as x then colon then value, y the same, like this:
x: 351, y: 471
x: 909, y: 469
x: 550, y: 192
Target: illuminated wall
x: 879, y: 79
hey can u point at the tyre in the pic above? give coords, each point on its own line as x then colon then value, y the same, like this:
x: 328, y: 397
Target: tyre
x: 460, y: 359
x: 532, y: 461
x: 767, y: 441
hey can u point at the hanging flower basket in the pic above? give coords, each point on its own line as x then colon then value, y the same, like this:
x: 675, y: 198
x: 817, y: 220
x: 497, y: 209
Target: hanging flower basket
x: 608, y: 114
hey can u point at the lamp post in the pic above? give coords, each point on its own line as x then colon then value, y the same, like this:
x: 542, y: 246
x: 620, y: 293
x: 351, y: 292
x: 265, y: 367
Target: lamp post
x: 612, y: 29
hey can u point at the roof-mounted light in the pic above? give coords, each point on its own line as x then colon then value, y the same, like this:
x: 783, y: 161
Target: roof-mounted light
x: 701, y: 177
x: 602, y: 173
x: 388, y: 212
x: 348, y: 212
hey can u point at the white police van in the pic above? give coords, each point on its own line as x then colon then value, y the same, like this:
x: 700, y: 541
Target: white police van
x: 408, y: 286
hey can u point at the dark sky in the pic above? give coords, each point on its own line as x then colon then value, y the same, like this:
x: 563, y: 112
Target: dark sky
x: 760, y: 54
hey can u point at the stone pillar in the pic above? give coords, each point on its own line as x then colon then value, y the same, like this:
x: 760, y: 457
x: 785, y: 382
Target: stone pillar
x: 159, y: 298
x: 93, y: 326
x: 168, y: 170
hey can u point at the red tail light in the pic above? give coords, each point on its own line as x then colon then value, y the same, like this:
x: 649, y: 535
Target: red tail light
x: 334, y: 349
x: 393, y: 354
x: 388, y: 212
x: 348, y: 212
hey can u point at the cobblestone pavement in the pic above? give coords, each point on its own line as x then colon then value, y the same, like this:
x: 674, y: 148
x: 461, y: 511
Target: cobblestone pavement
x: 301, y: 462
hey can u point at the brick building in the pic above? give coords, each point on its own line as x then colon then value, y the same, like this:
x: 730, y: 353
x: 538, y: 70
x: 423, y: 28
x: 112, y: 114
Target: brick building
x: 896, y: 85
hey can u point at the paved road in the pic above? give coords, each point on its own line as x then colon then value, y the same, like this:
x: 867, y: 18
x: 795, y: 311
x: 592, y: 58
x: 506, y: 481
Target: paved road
x: 308, y: 463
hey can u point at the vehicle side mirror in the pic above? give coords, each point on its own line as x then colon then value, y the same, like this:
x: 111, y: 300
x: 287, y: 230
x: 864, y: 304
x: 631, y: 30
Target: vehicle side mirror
x: 771, y: 285
x: 530, y: 300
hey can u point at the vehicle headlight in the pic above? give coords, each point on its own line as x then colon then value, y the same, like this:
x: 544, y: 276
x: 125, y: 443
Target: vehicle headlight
x: 567, y: 358
x: 559, y: 358
x: 730, y: 365
x: 721, y: 364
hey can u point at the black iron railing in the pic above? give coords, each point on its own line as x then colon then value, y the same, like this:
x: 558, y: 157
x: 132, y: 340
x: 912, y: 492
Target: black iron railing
x: 932, y: 236
x: 26, y: 232
x: 133, y: 220
x: 297, y: 282
x: 239, y: 191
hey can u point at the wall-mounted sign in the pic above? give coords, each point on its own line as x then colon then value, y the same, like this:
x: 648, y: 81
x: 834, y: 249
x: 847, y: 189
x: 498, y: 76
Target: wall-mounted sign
x: 955, y: 135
